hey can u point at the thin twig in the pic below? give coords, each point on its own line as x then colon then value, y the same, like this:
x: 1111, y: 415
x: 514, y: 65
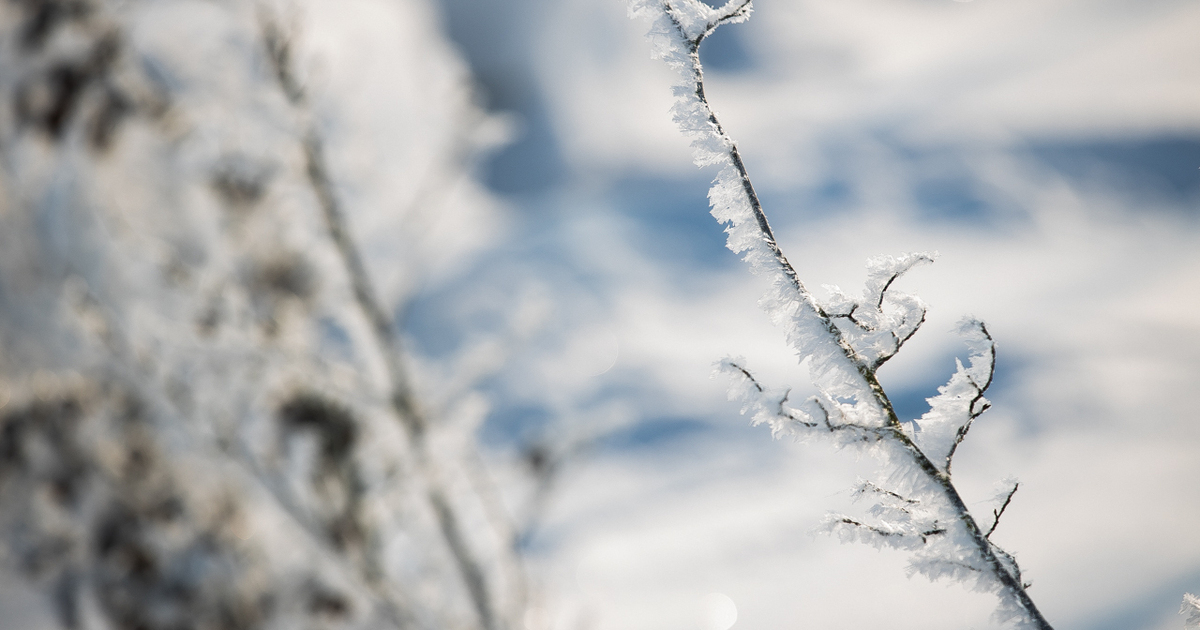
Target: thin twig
x: 923, y: 535
x: 998, y: 513
x: 866, y: 486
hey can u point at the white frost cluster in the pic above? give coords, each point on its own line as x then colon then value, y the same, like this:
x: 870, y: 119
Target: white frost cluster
x: 879, y: 323
x: 960, y: 401
x: 1191, y: 608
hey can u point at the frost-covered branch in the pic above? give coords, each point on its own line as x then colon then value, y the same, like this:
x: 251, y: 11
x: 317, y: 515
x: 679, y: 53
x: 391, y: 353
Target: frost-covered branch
x: 883, y: 319
x: 960, y: 401
x: 867, y: 487
x: 819, y: 414
x: 901, y: 537
x: 844, y: 341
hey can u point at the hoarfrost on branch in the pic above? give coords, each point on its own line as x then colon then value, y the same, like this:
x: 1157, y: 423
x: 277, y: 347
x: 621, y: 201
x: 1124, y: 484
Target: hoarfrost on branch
x: 845, y: 340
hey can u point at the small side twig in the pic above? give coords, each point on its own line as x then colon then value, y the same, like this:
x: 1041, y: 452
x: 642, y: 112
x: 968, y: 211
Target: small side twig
x: 1000, y: 512
x: 923, y: 535
x: 978, y: 399
x: 867, y: 486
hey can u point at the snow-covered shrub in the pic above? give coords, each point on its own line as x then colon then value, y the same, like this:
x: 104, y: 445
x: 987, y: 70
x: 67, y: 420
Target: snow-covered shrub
x: 207, y: 419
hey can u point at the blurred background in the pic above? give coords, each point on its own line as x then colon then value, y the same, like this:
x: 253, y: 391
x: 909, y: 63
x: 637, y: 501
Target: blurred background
x: 539, y: 240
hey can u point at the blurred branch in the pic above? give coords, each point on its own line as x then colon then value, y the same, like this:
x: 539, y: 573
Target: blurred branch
x: 402, y: 397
